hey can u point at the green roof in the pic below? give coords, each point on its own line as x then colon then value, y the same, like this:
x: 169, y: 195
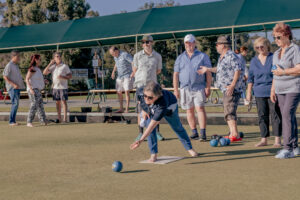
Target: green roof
x: 213, y: 18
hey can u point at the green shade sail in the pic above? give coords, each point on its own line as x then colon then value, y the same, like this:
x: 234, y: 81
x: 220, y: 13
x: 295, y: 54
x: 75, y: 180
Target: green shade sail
x: 221, y: 17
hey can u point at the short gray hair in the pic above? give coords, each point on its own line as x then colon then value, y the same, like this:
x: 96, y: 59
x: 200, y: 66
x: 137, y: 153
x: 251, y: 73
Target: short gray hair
x: 153, y: 87
x: 14, y: 53
x: 56, y: 53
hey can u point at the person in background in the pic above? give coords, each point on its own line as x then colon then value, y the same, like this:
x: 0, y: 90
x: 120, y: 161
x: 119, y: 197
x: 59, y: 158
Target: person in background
x: 156, y: 104
x: 194, y: 87
x: 241, y: 54
x: 61, y: 73
x: 147, y: 64
x: 123, y: 61
x: 260, y: 81
x: 35, y: 84
x: 14, y: 83
x: 230, y: 75
x: 286, y: 87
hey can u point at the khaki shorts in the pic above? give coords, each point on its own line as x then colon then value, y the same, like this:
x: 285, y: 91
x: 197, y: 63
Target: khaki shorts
x: 190, y: 99
x: 230, y: 104
x: 124, y: 84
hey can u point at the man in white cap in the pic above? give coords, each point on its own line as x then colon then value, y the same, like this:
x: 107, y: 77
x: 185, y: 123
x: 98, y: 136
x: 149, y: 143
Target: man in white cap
x: 194, y: 87
x: 147, y: 64
x: 230, y: 74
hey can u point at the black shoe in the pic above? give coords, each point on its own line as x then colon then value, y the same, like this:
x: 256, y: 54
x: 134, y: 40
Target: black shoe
x: 194, y: 136
x: 203, y: 138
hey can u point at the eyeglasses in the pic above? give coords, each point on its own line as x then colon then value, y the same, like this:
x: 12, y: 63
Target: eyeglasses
x: 146, y: 42
x: 148, y: 97
x: 259, y: 47
x: 277, y: 37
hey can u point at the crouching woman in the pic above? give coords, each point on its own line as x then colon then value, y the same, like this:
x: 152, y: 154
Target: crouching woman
x: 156, y: 104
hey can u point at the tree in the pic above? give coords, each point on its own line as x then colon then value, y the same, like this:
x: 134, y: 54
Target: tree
x: 92, y: 13
x: 25, y: 12
x: 151, y: 4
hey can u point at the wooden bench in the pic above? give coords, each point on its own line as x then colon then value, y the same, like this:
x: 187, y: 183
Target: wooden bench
x: 24, y: 93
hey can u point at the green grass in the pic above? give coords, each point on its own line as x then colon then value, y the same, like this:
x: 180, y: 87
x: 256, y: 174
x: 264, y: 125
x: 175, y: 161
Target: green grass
x: 73, y: 162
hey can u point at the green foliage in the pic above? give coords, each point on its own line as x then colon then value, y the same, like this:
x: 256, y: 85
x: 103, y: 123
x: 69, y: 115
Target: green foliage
x: 26, y: 12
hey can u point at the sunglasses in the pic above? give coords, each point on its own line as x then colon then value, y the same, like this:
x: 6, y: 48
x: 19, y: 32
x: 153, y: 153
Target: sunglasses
x: 259, y: 47
x: 146, y: 42
x: 148, y: 97
x: 219, y: 43
x: 277, y: 37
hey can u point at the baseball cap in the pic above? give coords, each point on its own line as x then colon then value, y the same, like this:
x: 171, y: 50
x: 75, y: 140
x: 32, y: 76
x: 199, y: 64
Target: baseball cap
x: 189, y: 38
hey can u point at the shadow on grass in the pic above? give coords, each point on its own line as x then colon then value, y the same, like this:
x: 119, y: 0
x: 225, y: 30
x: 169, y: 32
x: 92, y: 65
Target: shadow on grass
x: 233, y: 153
x: 228, y: 159
x: 167, y: 139
x: 134, y: 171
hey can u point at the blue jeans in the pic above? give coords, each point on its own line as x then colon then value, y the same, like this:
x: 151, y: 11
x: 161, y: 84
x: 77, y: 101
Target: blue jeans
x: 243, y: 94
x: 14, y: 96
x: 174, y: 121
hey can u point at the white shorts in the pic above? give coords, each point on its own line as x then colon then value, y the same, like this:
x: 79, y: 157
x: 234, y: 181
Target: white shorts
x: 124, y: 84
x: 190, y: 99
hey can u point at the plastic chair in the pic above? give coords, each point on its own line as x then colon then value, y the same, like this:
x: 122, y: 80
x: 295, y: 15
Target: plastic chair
x: 91, y: 84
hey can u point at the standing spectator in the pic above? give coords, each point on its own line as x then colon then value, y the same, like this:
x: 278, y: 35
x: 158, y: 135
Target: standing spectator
x: 14, y: 83
x: 35, y: 84
x: 230, y: 75
x: 147, y: 64
x: 260, y: 79
x: 286, y: 87
x: 123, y: 61
x: 96, y: 62
x: 242, y: 53
x: 61, y: 73
x: 194, y: 87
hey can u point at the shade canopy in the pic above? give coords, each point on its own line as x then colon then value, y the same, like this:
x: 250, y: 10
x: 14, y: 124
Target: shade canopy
x: 221, y: 17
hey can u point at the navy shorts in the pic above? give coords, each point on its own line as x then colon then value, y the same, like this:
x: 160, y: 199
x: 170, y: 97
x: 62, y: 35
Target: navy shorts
x: 60, y: 94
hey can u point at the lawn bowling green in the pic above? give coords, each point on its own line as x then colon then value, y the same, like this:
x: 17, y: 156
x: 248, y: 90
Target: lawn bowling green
x: 74, y: 162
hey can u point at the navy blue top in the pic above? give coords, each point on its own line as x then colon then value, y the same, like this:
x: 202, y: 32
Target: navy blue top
x: 261, y: 76
x: 160, y: 108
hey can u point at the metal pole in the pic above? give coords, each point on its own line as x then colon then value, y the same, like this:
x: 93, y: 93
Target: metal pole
x: 176, y: 43
x: 136, y: 43
x: 57, y: 47
x: 102, y: 62
x: 266, y: 32
x: 232, y: 39
x: 102, y: 69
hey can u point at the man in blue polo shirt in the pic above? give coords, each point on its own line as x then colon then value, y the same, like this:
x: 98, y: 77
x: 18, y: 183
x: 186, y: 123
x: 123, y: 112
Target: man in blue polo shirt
x: 194, y: 88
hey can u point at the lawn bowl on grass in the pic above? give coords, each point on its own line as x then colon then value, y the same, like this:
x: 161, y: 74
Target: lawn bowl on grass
x: 117, y: 166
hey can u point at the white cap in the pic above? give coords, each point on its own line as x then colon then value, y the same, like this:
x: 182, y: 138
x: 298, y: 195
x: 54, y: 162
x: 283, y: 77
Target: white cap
x: 189, y: 38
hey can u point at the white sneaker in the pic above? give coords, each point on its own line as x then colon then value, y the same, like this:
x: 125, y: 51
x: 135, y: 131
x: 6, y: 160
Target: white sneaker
x: 296, y: 151
x: 284, y: 154
x: 29, y: 125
